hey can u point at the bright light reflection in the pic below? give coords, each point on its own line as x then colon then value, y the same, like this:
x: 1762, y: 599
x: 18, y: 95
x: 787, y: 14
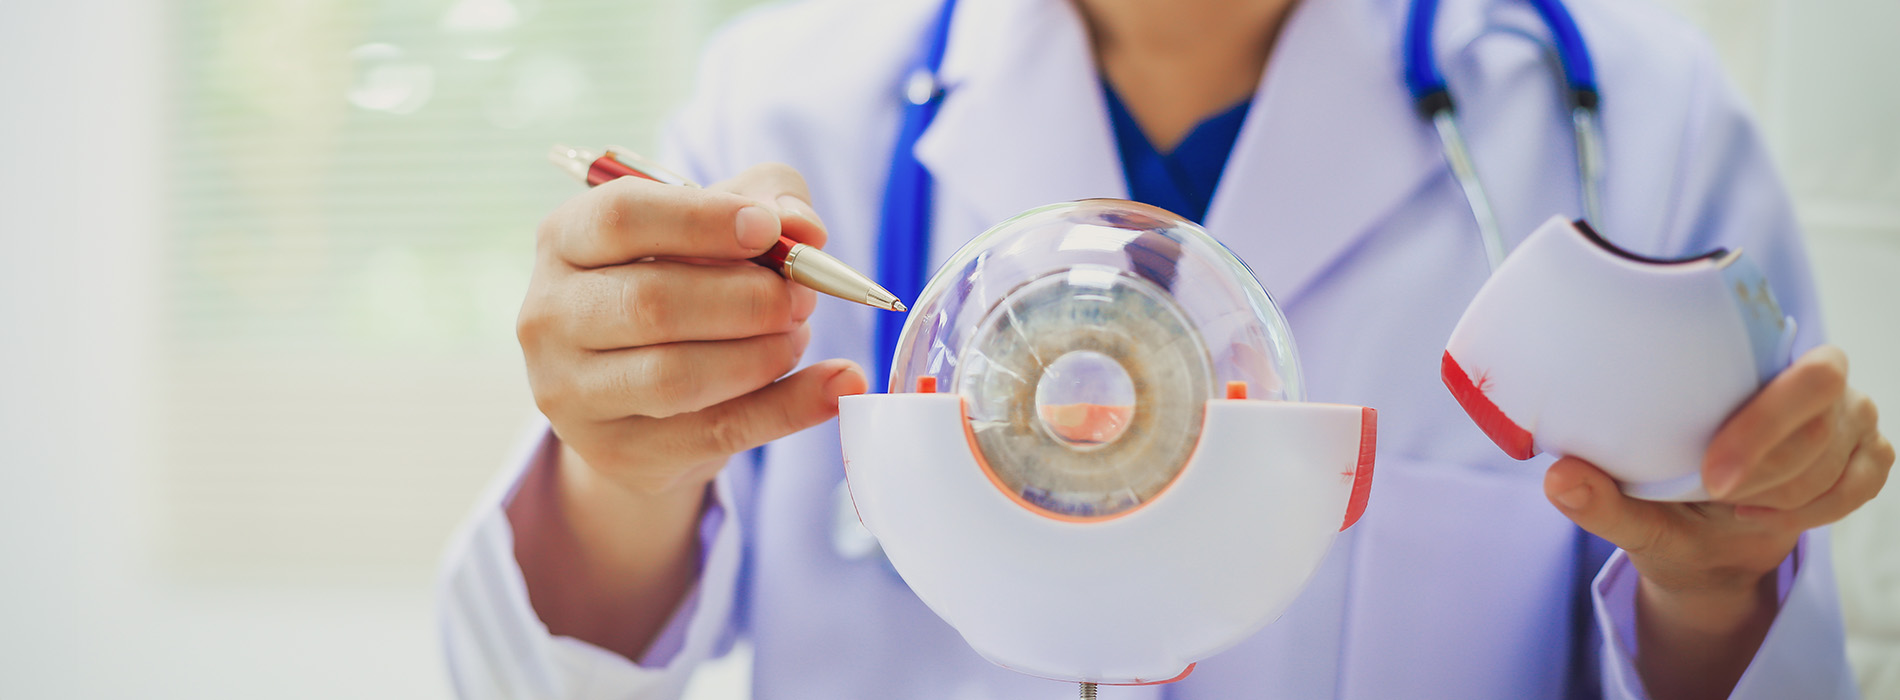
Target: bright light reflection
x: 1102, y: 238
x: 387, y: 81
x: 483, y: 26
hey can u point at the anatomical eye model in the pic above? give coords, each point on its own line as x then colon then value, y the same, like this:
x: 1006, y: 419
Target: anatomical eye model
x: 1577, y: 347
x: 1101, y: 387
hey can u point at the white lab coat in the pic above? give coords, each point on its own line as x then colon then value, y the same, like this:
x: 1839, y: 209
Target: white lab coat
x: 1457, y: 582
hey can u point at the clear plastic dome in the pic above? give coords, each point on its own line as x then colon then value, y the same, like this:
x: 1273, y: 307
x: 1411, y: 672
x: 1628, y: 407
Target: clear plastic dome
x: 1086, y: 339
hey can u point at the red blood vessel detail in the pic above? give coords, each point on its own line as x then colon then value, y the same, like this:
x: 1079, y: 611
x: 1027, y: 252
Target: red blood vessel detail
x: 1509, y: 436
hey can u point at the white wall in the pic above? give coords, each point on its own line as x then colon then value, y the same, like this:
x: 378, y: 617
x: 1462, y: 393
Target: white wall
x: 85, y: 609
x: 1827, y: 91
x: 74, y: 322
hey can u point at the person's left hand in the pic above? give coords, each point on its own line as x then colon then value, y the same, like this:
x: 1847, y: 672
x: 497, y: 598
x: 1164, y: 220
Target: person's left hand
x: 1804, y: 452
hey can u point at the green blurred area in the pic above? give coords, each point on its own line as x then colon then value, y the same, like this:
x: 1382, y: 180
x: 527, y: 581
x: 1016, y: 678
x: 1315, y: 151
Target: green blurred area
x: 364, y: 176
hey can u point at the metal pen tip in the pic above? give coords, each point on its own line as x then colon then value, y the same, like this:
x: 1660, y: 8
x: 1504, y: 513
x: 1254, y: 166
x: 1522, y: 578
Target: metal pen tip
x: 879, y: 297
x: 573, y: 161
x: 825, y: 274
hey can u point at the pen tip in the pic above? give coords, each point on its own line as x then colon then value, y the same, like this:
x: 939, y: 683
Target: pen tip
x: 573, y: 161
x: 899, y: 306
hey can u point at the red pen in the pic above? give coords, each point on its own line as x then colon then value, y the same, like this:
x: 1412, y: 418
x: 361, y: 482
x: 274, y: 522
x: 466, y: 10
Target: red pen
x: 798, y: 262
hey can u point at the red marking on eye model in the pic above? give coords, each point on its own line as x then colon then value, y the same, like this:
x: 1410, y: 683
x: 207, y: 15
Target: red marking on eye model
x: 1184, y: 674
x: 1507, y: 434
x: 1362, y: 473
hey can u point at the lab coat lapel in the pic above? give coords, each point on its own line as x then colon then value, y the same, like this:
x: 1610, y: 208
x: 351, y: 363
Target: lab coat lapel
x: 1331, y: 144
x: 1023, y: 121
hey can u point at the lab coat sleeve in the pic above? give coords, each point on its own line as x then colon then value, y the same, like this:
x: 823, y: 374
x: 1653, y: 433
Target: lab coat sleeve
x: 497, y: 646
x: 1803, y: 656
x: 1731, y: 197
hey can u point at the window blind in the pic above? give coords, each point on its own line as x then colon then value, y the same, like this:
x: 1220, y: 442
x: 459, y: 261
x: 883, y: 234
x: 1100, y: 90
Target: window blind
x: 353, y: 188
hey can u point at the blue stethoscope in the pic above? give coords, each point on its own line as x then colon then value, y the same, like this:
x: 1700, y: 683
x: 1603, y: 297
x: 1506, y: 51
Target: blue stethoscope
x: 1434, y: 102
x: 904, y: 226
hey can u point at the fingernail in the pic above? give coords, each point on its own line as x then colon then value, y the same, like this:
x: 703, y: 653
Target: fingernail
x: 845, y: 383
x: 1721, y: 478
x: 756, y: 228
x: 1576, y: 497
x: 797, y: 207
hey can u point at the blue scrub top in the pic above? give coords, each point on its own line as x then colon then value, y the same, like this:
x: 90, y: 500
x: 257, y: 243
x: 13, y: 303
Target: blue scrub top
x: 1183, y: 180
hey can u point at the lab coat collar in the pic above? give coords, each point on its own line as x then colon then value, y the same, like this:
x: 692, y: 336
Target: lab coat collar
x: 1330, y: 146
x: 1023, y: 121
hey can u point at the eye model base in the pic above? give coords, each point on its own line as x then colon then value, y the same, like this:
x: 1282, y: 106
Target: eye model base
x: 1129, y: 600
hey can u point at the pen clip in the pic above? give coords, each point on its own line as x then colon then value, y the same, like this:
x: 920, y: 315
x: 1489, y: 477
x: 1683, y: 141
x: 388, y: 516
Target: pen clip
x: 647, y: 168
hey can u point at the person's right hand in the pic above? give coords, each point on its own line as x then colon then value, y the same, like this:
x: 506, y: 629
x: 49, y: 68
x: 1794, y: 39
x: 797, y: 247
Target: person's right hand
x: 654, y: 348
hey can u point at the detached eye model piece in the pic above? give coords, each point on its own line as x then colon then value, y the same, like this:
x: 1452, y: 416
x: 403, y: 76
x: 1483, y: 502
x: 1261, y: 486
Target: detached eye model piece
x: 1096, y: 464
x: 1576, y: 347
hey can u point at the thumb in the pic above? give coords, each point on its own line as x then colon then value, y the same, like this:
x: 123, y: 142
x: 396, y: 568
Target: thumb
x: 796, y: 402
x: 1591, y: 499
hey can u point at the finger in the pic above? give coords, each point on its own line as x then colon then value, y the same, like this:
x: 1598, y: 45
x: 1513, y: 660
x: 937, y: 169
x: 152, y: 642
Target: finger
x: 657, y: 302
x: 1591, y: 499
x: 1732, y: 465
x: 664, y: 380
x: 789, y: 405
x: 785, y: 190
x: 1812, y: 461
x: 631, y: 219
x: 1865, y: 474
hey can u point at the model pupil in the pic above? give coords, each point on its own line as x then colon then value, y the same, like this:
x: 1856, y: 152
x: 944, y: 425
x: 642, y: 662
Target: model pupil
x: 1085, y: 399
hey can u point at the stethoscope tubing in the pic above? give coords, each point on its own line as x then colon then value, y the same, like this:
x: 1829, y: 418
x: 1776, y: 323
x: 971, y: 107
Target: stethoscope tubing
x: 904, y: 222
x: 1423, y: 77
x: 1431, y: 95
x: 903, y: 251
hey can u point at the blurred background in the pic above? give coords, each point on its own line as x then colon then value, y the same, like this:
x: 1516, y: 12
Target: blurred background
x: 260, y: 261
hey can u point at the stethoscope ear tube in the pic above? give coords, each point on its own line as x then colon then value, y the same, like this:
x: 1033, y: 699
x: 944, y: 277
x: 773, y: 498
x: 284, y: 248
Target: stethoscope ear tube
x: 1422, y: 76
x: 1589, y: 159
x: 1459, y: 156
x: 1432, y: 97
x: 1579, y: 72
x: 1424, y: 79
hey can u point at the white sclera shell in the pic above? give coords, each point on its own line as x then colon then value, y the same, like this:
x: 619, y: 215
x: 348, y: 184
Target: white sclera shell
x: 1151, y: 290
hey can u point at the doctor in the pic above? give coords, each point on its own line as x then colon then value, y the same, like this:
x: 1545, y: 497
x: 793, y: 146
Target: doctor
x: 638, y: 537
